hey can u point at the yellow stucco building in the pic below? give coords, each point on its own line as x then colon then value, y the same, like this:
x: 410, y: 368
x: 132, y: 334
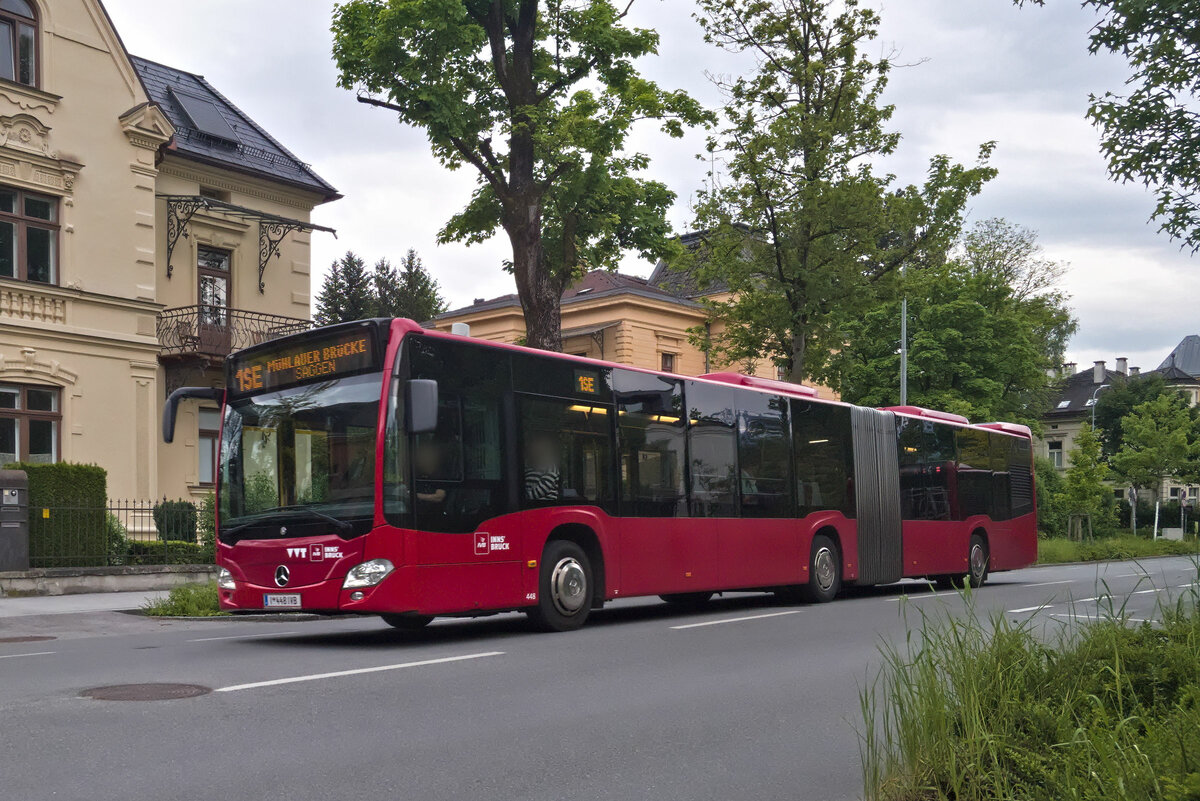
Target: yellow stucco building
x: 642, y: 322
x: 147, y: 227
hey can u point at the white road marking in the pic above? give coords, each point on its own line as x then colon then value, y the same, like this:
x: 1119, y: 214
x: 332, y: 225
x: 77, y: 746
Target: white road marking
x: 244, y: 636
x: 922, y: 597
x: 35, y: 653
x: 1091, y: 617
x: 1048, y: 583
x: 1028, y: 609
x: 356, y: 672
x: 736, y: 619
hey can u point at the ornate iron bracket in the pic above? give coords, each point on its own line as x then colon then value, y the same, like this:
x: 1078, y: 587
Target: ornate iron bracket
x: 270, y: 235
x: 179, y: 213
x: 271, y: 228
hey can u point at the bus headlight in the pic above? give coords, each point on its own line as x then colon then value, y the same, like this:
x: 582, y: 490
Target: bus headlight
x: 224, y: 579
x: 368, y: 574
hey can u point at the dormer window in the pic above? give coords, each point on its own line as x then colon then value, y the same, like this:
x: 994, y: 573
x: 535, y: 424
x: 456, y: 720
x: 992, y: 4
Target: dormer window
x: 18, y: 42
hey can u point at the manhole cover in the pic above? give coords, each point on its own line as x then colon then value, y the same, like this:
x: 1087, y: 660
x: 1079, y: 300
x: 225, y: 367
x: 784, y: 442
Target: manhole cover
x: 145, y: 692
x: 27, y: 638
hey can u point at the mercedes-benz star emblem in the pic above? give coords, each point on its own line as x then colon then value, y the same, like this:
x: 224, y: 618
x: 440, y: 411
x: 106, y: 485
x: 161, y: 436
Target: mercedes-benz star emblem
x: 281, y: 575
x: 283, y: 531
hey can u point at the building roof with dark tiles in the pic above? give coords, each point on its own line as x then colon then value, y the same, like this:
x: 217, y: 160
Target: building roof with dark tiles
x: 1077, y: 391
x: 213, y: 130
x: 682, y: 281
x: 1185, y: 356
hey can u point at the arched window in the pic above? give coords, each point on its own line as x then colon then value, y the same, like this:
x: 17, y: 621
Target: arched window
x: 18, y: 42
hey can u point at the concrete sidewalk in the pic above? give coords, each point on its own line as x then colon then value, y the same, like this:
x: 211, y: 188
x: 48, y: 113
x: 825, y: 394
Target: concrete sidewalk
x: 74, y: 604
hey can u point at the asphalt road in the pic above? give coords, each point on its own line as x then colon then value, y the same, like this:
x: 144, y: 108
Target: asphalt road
x: 745, y: 699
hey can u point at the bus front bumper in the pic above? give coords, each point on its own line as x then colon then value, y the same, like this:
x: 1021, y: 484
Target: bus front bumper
x: 322, y: 597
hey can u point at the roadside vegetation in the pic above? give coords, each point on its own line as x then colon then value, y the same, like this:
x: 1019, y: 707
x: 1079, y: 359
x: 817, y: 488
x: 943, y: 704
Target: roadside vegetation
x: 986, y: 708
x: 1122, y: 546
x: 187, y: 600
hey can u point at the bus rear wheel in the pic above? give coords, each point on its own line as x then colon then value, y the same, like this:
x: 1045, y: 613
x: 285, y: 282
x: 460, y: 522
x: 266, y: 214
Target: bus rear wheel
x: 978, y: 559
x: 564, y: 588
x: 824, y: 572
x: 407, y: 622
x: 687, y: 600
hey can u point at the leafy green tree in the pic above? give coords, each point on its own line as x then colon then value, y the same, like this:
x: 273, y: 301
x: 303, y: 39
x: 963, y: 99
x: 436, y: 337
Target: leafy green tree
x: 800, y: 228
x: 985, y: 329
x: 1120, y: 399
x: 1151, y: 133
x: 1159, y: 441
x: 1084, y: 490
x: 1051, y: 507
x: 539, y: 98
x: 412, y: 292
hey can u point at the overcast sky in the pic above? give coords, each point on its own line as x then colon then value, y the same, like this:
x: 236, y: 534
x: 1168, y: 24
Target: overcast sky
x: 982, y: 70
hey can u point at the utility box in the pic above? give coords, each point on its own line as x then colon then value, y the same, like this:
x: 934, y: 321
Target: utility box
x: 14, y: 520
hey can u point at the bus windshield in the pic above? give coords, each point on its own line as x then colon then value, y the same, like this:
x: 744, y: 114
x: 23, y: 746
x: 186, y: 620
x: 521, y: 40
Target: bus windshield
x: 302, y: 457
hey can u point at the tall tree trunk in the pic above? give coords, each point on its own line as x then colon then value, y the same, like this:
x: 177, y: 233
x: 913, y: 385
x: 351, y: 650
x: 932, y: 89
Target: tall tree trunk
x: 539, y: 292
x: 799, y: 354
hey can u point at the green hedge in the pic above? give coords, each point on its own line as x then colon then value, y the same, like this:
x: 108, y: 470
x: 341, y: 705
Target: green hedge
x: 175, y: 520
x: 169, y: 553
x: 67, y: 524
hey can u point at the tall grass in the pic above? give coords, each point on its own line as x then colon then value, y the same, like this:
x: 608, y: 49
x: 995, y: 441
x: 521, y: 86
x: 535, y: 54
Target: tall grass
x: 984, y: 708
x: 187, y: 600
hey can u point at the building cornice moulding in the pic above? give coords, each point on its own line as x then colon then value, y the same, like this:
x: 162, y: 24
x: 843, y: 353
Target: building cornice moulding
x: 26, y: 98
x: 219, y: 181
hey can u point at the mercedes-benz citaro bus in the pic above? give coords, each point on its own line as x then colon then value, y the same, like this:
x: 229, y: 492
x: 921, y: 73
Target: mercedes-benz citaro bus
x: 380, y: 468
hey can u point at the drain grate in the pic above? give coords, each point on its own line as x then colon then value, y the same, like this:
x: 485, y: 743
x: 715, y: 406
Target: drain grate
x: 145, y: 692
x: 26, y: 638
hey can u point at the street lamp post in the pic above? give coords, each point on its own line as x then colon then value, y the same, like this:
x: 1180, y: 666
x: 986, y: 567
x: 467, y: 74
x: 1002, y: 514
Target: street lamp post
x: 1096, y: 392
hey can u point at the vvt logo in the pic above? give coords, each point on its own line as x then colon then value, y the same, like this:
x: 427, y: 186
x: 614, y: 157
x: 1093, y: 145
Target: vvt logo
x: 297, y: 553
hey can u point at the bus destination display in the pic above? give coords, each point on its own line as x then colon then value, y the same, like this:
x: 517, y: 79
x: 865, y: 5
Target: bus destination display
x: 315, y: 359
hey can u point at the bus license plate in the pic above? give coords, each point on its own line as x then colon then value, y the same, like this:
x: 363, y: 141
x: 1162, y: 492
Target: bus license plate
x: 281, y: 601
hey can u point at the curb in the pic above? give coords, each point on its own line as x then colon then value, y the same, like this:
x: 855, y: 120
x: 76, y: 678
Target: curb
x: 285, y: 617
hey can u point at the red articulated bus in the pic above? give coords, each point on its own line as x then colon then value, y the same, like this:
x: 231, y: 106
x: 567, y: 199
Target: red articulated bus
x: 380, y: 468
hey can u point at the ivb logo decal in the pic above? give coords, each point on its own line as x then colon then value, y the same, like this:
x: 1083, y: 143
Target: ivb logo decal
x: 486, y: 543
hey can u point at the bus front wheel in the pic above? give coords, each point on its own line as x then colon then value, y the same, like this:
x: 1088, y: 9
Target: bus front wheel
x: 564, y: 588
x: 407, y: 622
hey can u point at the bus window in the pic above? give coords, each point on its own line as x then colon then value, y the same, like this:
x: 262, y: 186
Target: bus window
x: 909, y: 447
x: 974, y: 472
x: 458, y: 476
x: 823, y: 456
x: 1001, y: 478
x: 764, y: 456
x: 650, y: 432
x: 939, y: 455
x: 565, y: 453
x: 713, y: 450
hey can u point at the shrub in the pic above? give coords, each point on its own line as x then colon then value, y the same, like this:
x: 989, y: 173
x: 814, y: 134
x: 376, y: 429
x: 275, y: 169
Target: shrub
x: 1056, y: 550
x: 117, y: 537
x: 67, y: 525
x: 187, y: 600
x: 168, y: 552
x: 208, y: 521
x: 176, y: 520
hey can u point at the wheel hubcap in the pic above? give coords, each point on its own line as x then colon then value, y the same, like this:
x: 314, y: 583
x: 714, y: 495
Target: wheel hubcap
x: 978, y: 560
x: 568, y: 586
x: 824, y: 569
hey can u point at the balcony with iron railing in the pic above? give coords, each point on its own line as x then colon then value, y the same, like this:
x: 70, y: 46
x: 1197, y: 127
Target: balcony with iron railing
x: 214, y: 332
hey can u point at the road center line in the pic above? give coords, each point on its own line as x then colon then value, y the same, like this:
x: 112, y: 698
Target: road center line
x: 1028, y: 609
x: 356, y: 672
x: 244, y: 636
x: 1049, y: 583
x: 35, y: 653
x: 736, y: 619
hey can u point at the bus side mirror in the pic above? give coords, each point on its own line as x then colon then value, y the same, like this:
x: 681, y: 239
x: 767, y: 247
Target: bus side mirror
x: 183, y: 393
x: 421, y: 406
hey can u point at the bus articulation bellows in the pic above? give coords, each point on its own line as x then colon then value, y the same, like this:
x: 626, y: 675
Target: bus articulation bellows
x: 380, y: 468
